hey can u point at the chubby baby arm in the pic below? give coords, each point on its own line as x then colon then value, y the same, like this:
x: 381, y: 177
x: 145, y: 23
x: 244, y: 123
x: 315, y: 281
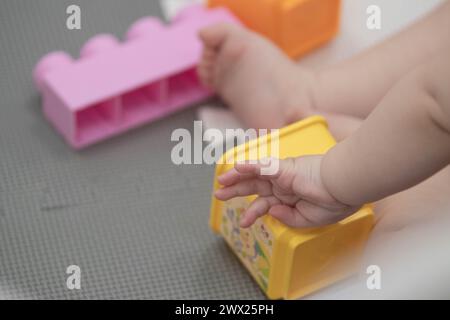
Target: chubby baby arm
x: 405, y: 140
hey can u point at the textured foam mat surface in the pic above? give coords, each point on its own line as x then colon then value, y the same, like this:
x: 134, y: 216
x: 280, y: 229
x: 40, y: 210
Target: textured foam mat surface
x: 136, y: 224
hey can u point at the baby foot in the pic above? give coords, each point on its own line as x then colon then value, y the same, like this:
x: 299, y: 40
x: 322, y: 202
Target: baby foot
x: 259, y: 83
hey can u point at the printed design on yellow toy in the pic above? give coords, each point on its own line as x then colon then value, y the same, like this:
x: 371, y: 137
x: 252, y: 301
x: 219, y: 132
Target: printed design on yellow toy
x: 263, y: 234
x: 252, y: 245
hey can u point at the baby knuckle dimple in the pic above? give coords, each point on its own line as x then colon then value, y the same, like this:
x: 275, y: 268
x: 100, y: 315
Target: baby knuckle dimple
x: 304, y: 182
x: 286, y: 173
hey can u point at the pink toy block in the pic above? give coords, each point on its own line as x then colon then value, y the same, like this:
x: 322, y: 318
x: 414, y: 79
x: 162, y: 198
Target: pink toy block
x: 115, y: 86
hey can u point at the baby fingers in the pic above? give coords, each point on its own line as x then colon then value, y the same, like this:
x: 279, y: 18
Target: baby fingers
x: 247, y: 170
x: 267, y: 168
x: 232, y: 176
x: 244, y: 188
x: 259, y: 207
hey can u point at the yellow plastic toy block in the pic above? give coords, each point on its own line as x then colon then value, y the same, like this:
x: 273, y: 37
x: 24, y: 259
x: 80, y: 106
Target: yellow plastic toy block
x: 290, y: 263
x: 296, y: 26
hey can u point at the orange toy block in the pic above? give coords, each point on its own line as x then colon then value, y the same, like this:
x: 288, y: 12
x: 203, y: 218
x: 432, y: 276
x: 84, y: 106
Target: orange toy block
x: 296, y: 26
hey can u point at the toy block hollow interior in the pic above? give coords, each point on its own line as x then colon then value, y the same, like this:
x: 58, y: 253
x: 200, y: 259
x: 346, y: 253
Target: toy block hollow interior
x: 290, y: 263
x: 296, y: 26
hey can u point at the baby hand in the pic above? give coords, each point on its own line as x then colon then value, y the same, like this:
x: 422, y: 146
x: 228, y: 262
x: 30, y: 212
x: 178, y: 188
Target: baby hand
x: 295, y: 194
